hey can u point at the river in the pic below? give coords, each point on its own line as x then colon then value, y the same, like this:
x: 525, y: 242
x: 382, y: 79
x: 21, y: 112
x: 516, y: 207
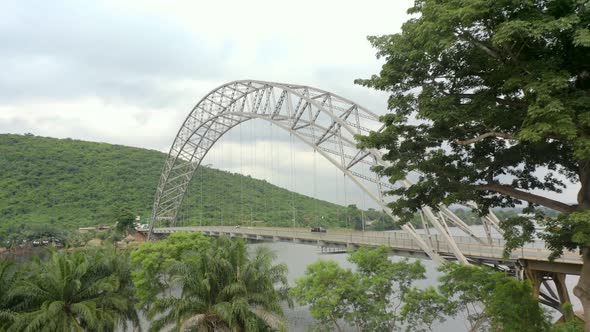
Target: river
x: 299, y: 256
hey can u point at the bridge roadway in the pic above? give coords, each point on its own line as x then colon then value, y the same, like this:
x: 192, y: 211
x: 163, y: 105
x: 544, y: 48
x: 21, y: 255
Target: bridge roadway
x: 401, y: 244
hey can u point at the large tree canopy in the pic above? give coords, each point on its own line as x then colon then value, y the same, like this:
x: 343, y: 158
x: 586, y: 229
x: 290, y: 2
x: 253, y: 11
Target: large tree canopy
x: 491, y: 104
x: 485, y: 94
x: 491, y: 101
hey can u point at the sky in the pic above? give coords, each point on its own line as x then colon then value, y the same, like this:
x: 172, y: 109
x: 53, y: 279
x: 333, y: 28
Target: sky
x: 129, y: 72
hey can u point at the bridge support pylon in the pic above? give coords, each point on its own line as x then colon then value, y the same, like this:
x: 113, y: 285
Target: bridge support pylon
x: 549, y: 287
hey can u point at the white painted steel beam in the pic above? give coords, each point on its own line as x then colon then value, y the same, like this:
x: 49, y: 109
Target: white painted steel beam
x: 326, y: 122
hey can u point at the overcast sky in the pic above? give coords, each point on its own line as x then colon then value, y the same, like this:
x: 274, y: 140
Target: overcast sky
x: 128, y: 72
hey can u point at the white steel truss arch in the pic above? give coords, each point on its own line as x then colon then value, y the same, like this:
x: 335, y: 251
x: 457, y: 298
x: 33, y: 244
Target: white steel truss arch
x: 326, y: 122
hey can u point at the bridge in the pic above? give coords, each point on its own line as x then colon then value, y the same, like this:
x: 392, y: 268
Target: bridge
x: 400, y: 244
x: 329, y: 123
x: 525, y: 263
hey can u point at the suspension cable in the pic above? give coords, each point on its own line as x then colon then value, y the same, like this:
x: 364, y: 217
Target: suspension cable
x: 241, y: 177
x: 252, y: 166
x: 346, y: 201
x: 187, y: 206
x: 220, y: 193
x: 201, y: 191
x: 271, y: 198
x: 292, y: 178
x: 315, y: 187
x: 223, y: 196
x: 182, y: 209
x: 340, y: 196
x: 363, y: 197
x: 265, y: 154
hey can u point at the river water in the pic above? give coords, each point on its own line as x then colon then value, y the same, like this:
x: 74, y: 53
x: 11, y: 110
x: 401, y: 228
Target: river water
x: 298, y: 256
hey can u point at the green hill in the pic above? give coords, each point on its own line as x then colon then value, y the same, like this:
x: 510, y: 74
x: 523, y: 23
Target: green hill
x: 71, y: 183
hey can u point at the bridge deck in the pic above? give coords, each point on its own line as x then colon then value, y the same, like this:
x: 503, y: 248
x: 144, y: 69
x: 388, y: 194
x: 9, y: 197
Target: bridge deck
x: 399, y: 242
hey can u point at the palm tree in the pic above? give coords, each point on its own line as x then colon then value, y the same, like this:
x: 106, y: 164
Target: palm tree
x: 76, y: 291
x: 224, y: 289
x: 8, y: 272
x: 110, y: 261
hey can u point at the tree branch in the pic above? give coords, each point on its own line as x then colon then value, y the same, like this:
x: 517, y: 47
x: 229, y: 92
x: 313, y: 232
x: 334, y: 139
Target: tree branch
x: 506, y: 102
x: 484, y: 136
x: 499, y: 100
x: 335, y: 321
x: 489, y: 50
x: 526, y: 196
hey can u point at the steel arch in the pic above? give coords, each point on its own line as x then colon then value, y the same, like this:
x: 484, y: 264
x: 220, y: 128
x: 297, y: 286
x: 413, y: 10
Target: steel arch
x: 324, y: 121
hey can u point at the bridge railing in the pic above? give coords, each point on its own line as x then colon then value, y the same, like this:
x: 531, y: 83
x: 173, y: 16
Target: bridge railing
x: 397, y: 240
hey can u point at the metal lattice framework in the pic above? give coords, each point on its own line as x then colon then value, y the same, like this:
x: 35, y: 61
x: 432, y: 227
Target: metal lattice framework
x: 326, y: 122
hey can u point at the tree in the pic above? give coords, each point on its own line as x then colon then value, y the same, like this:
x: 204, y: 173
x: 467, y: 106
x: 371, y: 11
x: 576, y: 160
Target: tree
x: 369, y: 299
x: 78, y: 184
x: 125, y: 221
x: 224, y: 288
x: 150, y: 263
x: 569, y: 326
x: 8, y: 271
x: 75, y: 291
x: 80, y: 239
x: 329, y: 290
x: 44, y: 231
x: 109, y: 261
x: 491, y: 102
x: 492, y: 301
x: 386, y: 284
x: 354, y: 217
x: 423, y: 307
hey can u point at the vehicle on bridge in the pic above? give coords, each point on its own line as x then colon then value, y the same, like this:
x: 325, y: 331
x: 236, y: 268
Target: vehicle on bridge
x: 318, y: 230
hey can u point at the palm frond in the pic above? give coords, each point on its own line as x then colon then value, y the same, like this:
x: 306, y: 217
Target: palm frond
x: 194, y: 321
x: 273, y: 321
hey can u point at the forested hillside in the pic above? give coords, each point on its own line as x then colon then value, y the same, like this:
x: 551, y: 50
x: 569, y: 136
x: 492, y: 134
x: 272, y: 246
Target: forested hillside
x: 71, y: 183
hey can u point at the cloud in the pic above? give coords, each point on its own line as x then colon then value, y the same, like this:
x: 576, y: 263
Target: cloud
x: 150, y: 57
x: 62, y: 49
x: 129, y: 72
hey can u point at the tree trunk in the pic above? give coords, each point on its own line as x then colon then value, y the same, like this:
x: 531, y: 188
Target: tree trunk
x: 584, y: 193
x: 582, y: 289
x: 335, y: 321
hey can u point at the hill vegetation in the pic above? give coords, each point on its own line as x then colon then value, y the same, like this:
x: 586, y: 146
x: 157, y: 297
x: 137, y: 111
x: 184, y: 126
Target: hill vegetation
x: 49, y: 185
x: 70, y: 183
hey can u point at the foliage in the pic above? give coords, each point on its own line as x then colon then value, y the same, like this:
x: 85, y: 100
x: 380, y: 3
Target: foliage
x: 80, y: 239
x: 223, y: 287
x: 68, y: 183
x: 151, y: 262
x: 50, y: 186
x: 485, y: 95
x: 492, y: 301
x: 125, y: 221
x: 567, y: 232
x: 330, y: 292
x: 423, y: 307
x: 491, y: 104
x: 74, y: 291
x: 569, y: 326
x: 8, y: 270
x: 369, y: 298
